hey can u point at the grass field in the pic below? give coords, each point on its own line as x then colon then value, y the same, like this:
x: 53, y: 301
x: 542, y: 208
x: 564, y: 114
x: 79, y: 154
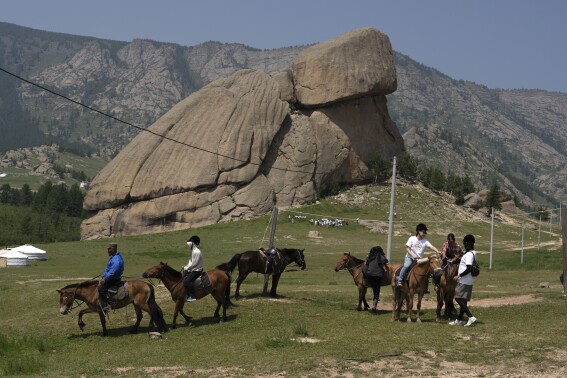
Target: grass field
x: 312, y: 328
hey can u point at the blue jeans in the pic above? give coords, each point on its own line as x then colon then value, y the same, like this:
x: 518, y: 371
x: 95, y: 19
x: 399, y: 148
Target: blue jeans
x: 408, y: 262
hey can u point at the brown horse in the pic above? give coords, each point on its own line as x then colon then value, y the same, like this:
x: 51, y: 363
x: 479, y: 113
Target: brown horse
x: 173, y: 281
x: 446, y: 290
x: 255, y: 261
x: 416, y: 283
x: 139, y: 293
x: 354, y: 265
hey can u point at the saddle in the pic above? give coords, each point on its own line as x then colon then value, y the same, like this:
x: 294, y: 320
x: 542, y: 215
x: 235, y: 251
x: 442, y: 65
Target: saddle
x: 117, y: 293
x: 202, y: 282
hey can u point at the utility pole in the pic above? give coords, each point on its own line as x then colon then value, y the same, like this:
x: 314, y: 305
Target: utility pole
x: 273, y: 228
x: 564, y: 228
x: 491, y: 238
x: 391, y: 219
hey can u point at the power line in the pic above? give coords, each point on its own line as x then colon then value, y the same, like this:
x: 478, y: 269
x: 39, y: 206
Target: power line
x: 145, y: 129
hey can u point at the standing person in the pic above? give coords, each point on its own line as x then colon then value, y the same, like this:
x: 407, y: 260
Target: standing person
x: 194, y: 267
x: 415, y: 249
x: 111, y: 275
x: 375, y: 267
x: 465, y: 282
x: 450, y: 250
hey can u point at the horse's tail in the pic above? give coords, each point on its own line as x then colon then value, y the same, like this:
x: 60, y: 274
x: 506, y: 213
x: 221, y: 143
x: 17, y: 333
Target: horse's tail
x: 229, y: 266
x: 227, y: 293
x: 155, y: 312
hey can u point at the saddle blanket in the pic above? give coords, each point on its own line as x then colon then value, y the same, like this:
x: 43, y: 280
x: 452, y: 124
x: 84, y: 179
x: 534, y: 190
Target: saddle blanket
x: 202, y: 282
x: 117, y: 293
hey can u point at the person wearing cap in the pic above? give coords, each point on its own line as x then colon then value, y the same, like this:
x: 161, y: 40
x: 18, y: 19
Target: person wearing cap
x: 465, y: 281
x: 194, y: 267
x: 111, y: 275
x: 415, y: 249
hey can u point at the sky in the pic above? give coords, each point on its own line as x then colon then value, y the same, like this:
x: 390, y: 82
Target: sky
x: 498, y: 43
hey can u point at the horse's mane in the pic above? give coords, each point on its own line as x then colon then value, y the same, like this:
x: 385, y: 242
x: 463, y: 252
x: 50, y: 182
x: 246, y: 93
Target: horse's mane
x: 171, y: 270
x: 356, y: 260
x: 80, y: 284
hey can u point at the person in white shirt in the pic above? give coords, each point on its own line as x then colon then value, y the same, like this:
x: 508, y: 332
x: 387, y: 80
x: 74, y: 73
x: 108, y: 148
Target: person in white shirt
x: 415, y: 249
x: 465, y: 281
x: 194, y: 267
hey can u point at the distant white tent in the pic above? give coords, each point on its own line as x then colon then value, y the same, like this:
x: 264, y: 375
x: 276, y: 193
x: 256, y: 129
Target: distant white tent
x: 14, y: 258
x: 32, y: 252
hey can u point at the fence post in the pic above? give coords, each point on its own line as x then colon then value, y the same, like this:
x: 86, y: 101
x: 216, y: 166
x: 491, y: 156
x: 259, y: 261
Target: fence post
x: 491, y: 238
x: 564, y: 232
x: 522, y: 258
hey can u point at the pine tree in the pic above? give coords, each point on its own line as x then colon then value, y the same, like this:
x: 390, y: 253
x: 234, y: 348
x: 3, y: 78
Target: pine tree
x: 492, y: 200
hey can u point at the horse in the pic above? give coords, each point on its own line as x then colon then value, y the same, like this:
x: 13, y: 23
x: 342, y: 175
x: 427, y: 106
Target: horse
x: 139, y: 293
x: 416, y: 283
x: 446, y: 290
x: 173, y: 281
x: 354, y: 265
x: 255, y: 261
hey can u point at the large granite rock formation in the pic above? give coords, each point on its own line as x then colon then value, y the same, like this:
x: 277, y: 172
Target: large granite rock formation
x: 235, y: 149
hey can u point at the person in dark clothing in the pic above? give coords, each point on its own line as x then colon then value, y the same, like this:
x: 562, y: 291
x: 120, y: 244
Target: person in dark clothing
x: 375, y: 268
x: 111, y: 275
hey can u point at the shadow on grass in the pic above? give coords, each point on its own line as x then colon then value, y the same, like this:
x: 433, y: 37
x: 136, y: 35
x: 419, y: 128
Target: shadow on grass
x: 112, y: 332
x: 261, y: 295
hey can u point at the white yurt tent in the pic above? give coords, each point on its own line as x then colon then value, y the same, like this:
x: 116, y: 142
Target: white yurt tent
x: 32, y: 252
x: 14, y: 258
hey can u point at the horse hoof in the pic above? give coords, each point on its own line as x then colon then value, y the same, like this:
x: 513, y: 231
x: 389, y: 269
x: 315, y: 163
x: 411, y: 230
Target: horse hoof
x: 358, y: 309
x: 418, y: 320
x: 409, y: 320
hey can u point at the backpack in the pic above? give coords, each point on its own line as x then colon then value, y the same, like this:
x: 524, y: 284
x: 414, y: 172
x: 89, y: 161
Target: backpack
x: 475, y: 268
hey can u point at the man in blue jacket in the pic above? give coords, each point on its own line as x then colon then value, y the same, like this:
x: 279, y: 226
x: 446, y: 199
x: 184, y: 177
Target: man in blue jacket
x: 111, y: 275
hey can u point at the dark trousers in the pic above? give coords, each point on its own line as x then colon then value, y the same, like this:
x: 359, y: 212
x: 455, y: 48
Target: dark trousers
x: 188, y: 280
x: 374, y: 282
x: 103, y: 288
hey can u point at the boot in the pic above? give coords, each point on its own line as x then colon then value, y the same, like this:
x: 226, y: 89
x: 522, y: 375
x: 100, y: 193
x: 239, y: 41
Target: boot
x: 104, y: 305
x: 374, y: 305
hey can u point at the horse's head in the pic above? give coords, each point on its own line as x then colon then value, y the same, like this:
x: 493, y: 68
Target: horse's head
x: 299, y: 259
x: 343, y: 262
x: 66, y: 298
x: 435, y: 263
x: 156, y: 271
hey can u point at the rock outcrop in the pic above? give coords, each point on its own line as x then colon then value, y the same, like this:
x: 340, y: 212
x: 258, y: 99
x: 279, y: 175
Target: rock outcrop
x: 235, y: 149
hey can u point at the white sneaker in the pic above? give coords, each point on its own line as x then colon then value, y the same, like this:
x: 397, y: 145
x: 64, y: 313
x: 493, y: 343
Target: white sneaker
x: 472, y: 319
x: 457, y: 322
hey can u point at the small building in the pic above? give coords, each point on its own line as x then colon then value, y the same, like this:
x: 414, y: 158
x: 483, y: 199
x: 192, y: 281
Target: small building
x: 13, y: 258
x: 32, y: 252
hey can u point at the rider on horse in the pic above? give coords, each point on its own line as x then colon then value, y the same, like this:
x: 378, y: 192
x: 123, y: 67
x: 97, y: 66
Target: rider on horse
x: 415, y: 249
x: 194, y: 267
x: 111, y: 275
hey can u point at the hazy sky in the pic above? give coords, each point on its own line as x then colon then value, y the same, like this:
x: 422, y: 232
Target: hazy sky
x: 498, y: 43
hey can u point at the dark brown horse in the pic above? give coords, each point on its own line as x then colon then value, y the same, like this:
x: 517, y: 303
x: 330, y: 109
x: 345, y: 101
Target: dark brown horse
x: 173, y: 281
x: 416, y: 283
x: 446, y: 290
x: 354, y: 265
x: 255, y: 261
x: 140, y: 294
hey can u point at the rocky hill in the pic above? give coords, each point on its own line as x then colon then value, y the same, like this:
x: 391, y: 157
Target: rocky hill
x: 517, y: 137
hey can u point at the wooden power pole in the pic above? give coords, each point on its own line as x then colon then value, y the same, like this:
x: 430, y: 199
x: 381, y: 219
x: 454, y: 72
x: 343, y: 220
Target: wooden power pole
x: 564, y: 227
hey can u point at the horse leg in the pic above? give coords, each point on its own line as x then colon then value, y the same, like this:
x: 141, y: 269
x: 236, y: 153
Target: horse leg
x: 440, y: 301
x: 179, y: 307
x: 419, y: 298
x: 139, y: 317
x: 241, y: 277
x: 275, y: 281
x: 361, y: 295
x: 102, y: 322
x: 410, y: 305
x: 80, y: 320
